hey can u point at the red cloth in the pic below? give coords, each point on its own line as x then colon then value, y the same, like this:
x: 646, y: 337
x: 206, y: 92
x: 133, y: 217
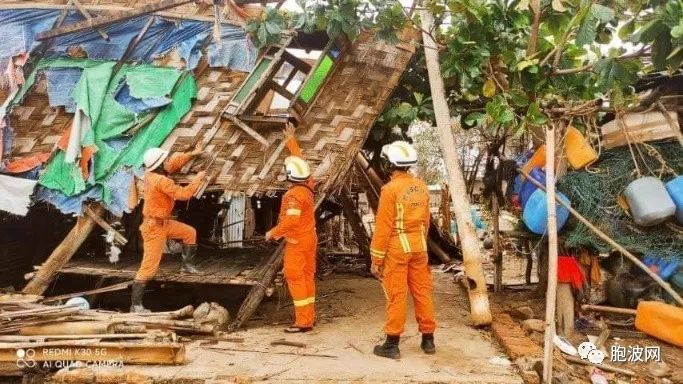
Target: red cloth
x: 569, y: 271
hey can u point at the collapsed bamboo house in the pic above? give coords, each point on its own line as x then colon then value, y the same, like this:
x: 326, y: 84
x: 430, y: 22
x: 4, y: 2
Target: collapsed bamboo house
x: 220, y: 92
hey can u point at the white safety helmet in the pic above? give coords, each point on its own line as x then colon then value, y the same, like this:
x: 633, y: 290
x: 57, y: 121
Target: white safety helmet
x: 400, y: 154
x: 154, y: 157
x: 297, y: 169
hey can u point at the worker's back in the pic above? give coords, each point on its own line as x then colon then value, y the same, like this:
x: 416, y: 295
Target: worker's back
x: 299, y: 201
x: 411, y: 205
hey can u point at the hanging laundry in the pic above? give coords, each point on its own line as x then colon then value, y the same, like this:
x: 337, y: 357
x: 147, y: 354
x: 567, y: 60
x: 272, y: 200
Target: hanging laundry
x: 15, y: 194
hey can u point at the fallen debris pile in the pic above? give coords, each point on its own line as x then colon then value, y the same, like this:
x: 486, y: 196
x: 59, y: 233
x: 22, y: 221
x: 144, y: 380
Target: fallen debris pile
x: 35, y: 332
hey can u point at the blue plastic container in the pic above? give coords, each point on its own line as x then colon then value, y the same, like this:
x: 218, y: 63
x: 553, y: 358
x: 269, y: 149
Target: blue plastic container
x: 535, y: 214
x: 517, y: 186
x: 528, y: 188
x: 675, y: 189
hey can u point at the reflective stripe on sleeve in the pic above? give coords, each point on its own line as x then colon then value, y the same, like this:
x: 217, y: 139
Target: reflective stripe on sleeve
x: 377, y: 254
x: 293, y: 212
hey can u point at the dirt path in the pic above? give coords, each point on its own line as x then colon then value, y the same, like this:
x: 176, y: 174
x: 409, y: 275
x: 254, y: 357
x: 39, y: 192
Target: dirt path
x: 351, y: 313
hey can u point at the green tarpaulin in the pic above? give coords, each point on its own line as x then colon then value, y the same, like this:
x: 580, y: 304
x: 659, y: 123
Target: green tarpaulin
x: 95, y: 96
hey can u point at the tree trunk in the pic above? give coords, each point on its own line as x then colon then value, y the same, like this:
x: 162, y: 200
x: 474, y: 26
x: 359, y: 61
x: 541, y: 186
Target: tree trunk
x: 551, y: 292
x: 62, y: 254
x: 479, y: 301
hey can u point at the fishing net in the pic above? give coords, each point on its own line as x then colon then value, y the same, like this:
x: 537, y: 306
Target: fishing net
x: 594, y: 193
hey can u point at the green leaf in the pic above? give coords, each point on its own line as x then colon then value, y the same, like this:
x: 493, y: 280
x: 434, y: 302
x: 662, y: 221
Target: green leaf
x: 626, y: 30
x: 262, y: 36
x: 499, y: 110
x: 558, y: 6
x: 677, y: 31
x: 589, y: 28
x: 474, y: 119
x: 526, y: 63
x: 273, y: 28
x: 519, y: 98
x: 602, y: 13
x: 649, y: 32
x: 534, y: 114
x: 523, y: 5
x: 661, y: 48
x: 489, y: 88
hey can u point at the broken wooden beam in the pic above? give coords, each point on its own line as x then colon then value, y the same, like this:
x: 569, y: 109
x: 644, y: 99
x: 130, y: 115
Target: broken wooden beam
x: 247, y: 129
x: 258, y: 291
x: 62, y: 254
x: 102, y: 223
x: 121, y: 352
x: 88, y: 16
x: 359, y: 234
x: 111, y: 288
x: 115, y: 17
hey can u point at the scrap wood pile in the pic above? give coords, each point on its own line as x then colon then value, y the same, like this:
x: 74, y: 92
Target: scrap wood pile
x: 81, y: 334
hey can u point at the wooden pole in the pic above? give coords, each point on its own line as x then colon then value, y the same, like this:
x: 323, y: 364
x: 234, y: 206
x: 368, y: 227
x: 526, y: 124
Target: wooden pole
x: 62, y: 254
x: 115, y: 17
x: 479, y: 301
x: 551, y: 291
x: 356, y: 222
x: 611, y: 242
x: 497, y: 254
x: 102, y: 223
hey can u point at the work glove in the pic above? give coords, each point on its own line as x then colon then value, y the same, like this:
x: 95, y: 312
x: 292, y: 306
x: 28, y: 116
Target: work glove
x: 269, y: 236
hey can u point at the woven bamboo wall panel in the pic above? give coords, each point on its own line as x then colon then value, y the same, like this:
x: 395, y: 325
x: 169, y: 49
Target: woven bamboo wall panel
x: 332, y: 131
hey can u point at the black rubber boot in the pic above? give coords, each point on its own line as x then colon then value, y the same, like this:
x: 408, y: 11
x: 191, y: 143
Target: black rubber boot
x: 188, y: 258
x: 389, y: 349
x: 428, y: 343
x: 137, y: 291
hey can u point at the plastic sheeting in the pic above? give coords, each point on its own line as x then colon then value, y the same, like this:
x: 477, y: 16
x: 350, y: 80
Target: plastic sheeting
x: 60, y: 84
x: 117, y: 189
x: 15, y: 194
x: 19, y: 28
x: 65, y: 185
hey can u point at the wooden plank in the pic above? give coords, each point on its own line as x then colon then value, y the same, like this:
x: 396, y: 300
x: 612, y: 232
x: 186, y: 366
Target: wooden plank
x: 124, y: 352
x: 272, y: 159
x: 641, y: 127
x: 296, y: 62
x: 102, y: 223
x: 279, y: 89
x: 115, y: 17
x: 61, y: 255
x: 110, y: 9
x: 248, y: 130
x: 87, y: 16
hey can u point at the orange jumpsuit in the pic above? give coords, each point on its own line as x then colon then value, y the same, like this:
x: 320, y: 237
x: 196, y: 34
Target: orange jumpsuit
x: 157, y: 226
x: 399, y: 243
x: 296, y: 224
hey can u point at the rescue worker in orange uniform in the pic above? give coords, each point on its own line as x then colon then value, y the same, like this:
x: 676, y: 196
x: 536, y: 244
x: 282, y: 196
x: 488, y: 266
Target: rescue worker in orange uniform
x: 296, y: 224
x: 160, y: 194
x: 399, y: 250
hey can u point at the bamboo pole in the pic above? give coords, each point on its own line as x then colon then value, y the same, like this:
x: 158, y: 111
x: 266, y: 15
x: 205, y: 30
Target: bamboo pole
x: 479, y: 301
x: 551, y: 290
x: 62, y: 254
x: 611, y: 242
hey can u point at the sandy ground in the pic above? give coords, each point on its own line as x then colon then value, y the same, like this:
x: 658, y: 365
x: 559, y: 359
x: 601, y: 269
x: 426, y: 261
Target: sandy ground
x: 350, y: 318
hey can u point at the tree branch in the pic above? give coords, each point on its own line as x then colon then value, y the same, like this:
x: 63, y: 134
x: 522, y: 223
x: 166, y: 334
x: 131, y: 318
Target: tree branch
x: 535, y: 6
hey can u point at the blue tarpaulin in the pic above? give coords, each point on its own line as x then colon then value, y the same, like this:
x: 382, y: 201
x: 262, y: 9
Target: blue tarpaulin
x: 20, y: 26
x: 60, y: 83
